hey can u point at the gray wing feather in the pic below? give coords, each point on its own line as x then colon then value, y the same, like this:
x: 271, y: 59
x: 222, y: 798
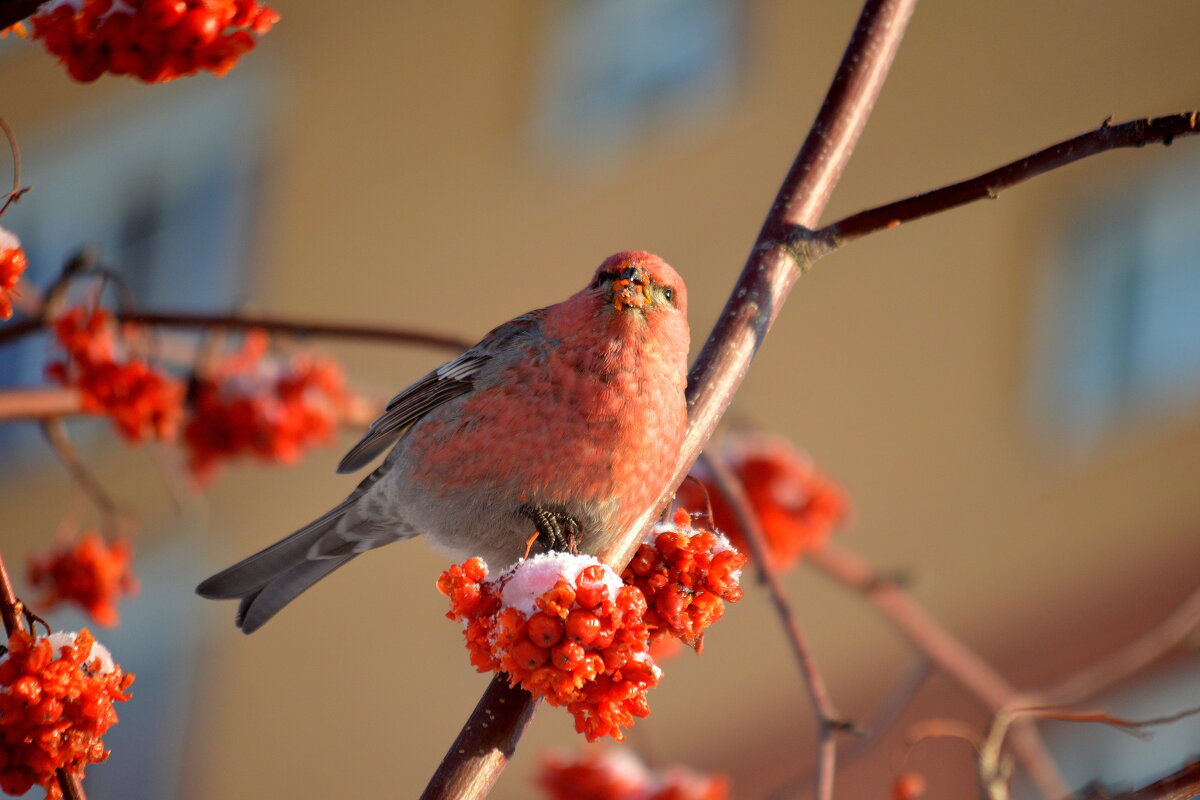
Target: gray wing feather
x: 440, y: 386
x: 451, y: 380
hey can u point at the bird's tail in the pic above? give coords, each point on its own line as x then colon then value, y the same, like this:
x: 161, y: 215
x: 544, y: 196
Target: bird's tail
x: 271, y: 578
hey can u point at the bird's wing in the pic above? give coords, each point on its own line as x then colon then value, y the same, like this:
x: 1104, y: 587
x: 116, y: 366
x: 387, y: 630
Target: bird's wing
x: 451, y: 380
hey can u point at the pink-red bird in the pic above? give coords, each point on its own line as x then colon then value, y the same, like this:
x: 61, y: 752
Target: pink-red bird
x: 561, y: 423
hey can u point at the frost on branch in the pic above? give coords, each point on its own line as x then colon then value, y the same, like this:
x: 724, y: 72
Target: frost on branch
x: 609, y: 774
x: 56, y: 703
x: 797, y: 507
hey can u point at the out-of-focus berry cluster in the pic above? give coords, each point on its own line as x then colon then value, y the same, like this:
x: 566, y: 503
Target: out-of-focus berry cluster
x: 797, y: 506
x: 56, y: 702
x: 88, y: 572
x: 249, y: 404
x: 153, y: 40
x: 12, y: 264
x: 142, y: 401
x: 686, y: 574
x: 256, y: 405
x: 617, y: 775
x: 563, y: 627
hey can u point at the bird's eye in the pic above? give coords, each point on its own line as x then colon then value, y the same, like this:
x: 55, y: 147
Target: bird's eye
x: 669, y: 293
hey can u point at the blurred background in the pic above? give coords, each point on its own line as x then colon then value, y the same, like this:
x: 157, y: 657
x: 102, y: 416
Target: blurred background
x: 1010, y: 392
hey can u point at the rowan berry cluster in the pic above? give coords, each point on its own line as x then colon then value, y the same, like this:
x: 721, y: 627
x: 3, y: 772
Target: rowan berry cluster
x: 256, y: 405
x: 153, y: 40
x: 686, y: 574
x: 56, y: 703
x: 12, y: 264
x: 563, y: 627
x: 141, y: 401
x: 617, y: 775
x: 798, y: 507
x: 88, y: 572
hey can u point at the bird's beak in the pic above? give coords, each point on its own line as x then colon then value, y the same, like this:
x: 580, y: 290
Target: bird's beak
x: 629, y: 290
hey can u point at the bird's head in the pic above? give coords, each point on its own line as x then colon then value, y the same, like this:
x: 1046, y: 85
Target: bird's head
x: 634, y: 281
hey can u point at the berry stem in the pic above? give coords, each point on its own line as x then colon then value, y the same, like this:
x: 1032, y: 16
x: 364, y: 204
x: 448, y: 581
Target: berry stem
x: 827, y: 719
x: 11, y: 611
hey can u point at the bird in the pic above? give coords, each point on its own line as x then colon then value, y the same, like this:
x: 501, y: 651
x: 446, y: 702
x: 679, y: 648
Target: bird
x: 554, y: 432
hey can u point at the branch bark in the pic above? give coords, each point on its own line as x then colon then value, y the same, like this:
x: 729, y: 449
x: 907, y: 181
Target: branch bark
x: 948, y: 653
x: 271, y: 324
x: 827, y: 719
x: 1138, y: 133
x: 771, y: 270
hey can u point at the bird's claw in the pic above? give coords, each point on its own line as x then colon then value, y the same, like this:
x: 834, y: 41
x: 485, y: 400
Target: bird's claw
x: 560, y: 529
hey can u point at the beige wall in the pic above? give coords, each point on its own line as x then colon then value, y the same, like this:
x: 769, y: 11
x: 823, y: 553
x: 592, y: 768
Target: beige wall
x: 402, y: 191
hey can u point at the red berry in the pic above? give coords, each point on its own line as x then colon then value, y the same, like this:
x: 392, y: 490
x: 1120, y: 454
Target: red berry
x: 582, y: 626
x: 544, y: 630
x: 529, y: 655
x: 163, y: 14
x: 198, y: 27
x: 567, y: 655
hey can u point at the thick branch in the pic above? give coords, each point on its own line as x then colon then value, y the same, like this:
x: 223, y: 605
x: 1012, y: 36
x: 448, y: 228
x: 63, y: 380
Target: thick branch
x: 1183, y: 784
x: 271, y: 324
x: 1137, y: 133
x: 764, y: 283
x: 13, y: 11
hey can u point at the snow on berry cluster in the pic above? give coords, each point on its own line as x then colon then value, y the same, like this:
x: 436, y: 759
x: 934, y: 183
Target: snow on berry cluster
x: 686, y: 574
x: 12, y: 264
x: 256, y: 405
x: 567, y: 628
x: 610, y: 774
x: 797, y: 506
x: 88, y: 572
x: 563, y: 627
x: 141, y: 401
x: 154, y: 40
x: 56, y: 703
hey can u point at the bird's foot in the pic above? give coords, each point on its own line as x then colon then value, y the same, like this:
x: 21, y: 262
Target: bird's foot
x: 561, y: 530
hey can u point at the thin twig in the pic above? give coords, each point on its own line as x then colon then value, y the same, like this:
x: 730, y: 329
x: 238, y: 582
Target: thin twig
x: 947, y: 652
x: 1137, y: 133
x: 14, y: 148
x: 35, y: 405
x: 12, y: 612
x: 818, y: 694
x: 271, y: 324
x: 56, y: 434
x: 772, y: 268
x: 1135, y: 656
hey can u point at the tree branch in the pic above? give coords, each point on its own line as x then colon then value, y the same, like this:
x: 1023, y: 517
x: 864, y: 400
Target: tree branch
x: 948, y: 653
x: 271, y: 324
x: 1137, y: 133
x: 12, y: 613
x: 765, y: 281
x: 827, y: 719
x: 13, y: 11
x: 1183, y: 784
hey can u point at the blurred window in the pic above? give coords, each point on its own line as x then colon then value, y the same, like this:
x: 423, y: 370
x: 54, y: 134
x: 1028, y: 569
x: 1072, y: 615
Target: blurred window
x: 612, y: 68
x: 1120, y: 316
x: 165, y: 188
